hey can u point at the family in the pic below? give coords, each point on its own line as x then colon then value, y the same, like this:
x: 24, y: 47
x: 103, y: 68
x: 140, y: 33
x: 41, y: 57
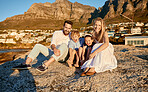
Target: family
x: 93, y: 53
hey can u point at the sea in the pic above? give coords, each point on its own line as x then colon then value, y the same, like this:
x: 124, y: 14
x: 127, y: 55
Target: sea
x: 12, y: 50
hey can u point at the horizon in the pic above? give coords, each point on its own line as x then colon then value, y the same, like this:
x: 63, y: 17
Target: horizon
x: 17, y: 7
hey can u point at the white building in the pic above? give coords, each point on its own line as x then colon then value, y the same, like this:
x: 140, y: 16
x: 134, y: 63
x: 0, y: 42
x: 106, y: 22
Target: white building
x: 4, y: 35
x: 2, y: 40
x: 48, y: 40
x: 122, y: 28
x: 139, y: 24
x: 136, y: 40
x: 13, y: 33
x: 12, y: 30
x: 10, y: 41
x: 28, y: 30
x: 146, y: 24
x: 136, y: 30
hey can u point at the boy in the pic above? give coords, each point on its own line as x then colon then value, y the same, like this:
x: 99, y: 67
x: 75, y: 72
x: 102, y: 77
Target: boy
x: 75, y: 46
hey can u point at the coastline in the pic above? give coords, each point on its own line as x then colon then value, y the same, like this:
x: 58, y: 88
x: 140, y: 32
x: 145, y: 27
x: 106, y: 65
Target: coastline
x: 15, y: 47
x: 10, y: 56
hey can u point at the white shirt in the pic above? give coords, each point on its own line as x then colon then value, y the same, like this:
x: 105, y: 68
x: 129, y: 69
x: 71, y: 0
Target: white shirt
x: 76, y: 45
x: 58, y: 38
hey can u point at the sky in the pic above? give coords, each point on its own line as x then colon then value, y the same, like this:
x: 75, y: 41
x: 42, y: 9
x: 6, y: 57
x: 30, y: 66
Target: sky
x: 9, y: 8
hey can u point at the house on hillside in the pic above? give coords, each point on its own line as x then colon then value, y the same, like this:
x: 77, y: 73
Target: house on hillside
x: 136, y: 30
x: 10, y: 41
x: 136, y: 40
x: 2, y: 40
x: 139, y: 24
x: 13, y: 33
x: 146, y: 24
x: 3, y: 35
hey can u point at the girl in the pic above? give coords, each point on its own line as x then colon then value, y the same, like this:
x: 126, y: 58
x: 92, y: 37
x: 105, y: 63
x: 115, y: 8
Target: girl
x: 89, y: 42
x: 101, y: 57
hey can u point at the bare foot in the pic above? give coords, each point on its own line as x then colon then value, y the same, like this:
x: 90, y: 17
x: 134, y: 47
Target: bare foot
x: 69, y: 63
x: 87, y: 69
x: 76, y: 65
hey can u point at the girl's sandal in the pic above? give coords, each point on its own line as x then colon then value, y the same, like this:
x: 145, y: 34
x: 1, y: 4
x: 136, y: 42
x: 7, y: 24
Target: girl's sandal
x: 84, y: 73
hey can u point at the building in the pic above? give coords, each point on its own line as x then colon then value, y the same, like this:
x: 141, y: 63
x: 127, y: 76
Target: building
x: 146, y: 24
x: 3, y: 35
x: 10, y: 41
x: 136, y: 30
x: 139, y: 24
x: 111, y: 33
x: 48, y: 40
x: 2, y: 40
x: 136, y: 40
x: 13, y: 33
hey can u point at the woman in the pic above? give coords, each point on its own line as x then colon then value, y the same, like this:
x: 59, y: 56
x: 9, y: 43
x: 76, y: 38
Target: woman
x: 101, y: 57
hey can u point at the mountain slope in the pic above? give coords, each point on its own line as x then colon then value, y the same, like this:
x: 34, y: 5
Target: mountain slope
x: 52, y: 15
x: 49, y: 15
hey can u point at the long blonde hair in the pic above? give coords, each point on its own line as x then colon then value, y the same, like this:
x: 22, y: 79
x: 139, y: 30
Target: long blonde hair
x: 99, y: 36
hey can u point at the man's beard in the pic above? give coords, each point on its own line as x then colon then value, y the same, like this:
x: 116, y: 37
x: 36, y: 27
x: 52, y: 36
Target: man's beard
x: 66, y: 32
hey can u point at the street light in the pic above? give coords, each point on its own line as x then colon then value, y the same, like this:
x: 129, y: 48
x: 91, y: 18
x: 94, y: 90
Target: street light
x: 127, y: 18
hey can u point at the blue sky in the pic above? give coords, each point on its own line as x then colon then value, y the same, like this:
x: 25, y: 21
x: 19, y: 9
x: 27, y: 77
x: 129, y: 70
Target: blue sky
x: 9, y: 8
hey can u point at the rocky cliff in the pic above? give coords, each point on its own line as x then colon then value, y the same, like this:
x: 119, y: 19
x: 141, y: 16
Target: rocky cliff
x: 40, y: 14
x: 59, y: 10
x: 136, y: 9
x: 51, y: 15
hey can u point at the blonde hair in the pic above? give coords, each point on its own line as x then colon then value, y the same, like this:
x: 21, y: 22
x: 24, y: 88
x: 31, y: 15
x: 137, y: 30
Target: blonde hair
x: 99, y: 36
x: 74, y: 32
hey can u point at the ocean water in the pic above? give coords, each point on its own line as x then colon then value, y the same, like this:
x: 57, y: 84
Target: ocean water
x: 12, y: 50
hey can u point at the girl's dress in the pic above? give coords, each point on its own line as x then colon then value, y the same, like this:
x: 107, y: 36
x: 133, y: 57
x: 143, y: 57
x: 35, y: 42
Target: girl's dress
x: 104, y: 60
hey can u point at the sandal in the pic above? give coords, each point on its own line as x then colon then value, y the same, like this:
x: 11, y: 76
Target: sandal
x: 84, y: 73
x: 90, y: 73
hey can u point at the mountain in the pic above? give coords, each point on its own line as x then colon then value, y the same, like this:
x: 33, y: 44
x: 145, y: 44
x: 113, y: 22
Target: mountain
x: 49, y: 15
x: 52, y: 15
x: 134, y: 9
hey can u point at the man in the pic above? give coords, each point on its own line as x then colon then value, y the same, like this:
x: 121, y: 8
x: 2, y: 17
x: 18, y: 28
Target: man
x: 59, y: 46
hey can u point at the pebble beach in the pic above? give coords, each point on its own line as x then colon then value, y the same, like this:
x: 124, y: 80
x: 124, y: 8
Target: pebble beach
x: 131, y: 75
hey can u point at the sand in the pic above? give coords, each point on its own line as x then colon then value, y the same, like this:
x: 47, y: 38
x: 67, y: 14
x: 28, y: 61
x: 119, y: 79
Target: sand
x: 131, y: 75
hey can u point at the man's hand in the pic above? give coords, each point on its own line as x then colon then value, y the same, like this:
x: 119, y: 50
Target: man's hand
x: 56, y: 52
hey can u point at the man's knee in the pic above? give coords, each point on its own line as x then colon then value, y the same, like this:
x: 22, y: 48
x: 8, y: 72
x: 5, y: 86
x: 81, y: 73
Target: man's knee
x: 64, y: 44
x: 63, y: 48
x: 38, y: 45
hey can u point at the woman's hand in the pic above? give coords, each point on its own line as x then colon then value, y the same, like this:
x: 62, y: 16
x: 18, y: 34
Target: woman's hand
x: 92, y: 55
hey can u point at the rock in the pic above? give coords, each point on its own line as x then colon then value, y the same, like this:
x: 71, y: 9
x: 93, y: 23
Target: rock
x: 51, y: 15
x: 130, y: 75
